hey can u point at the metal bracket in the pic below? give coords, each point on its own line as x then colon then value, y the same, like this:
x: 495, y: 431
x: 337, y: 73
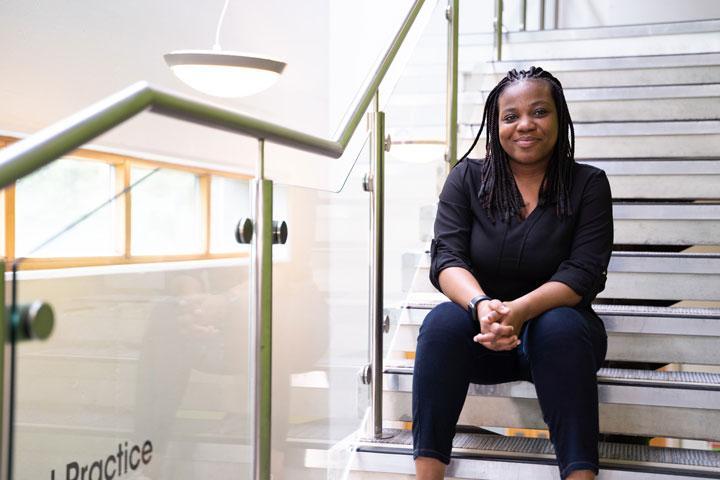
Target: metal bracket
x: 36, y: 321
x: 367, y: 182
x: 365, y: 374
x: 388, y: 143
x: 386, y: 324
x: 449, y: 12
x: 280, y: 232
x: 244, y: 230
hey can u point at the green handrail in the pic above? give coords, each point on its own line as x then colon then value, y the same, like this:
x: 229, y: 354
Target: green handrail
x: 24, y: 157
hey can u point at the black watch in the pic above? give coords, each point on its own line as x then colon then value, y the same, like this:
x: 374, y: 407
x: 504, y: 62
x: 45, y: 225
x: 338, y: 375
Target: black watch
x: 472, y: 305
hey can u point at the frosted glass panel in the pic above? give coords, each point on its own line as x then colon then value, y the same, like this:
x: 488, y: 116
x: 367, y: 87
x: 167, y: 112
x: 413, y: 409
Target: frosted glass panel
x: 144, y: 377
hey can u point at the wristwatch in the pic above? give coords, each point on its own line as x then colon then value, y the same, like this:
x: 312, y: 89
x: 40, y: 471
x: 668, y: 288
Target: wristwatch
x: 472, y: 305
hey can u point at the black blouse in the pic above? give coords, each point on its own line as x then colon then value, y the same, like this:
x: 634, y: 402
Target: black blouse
x: 510, y: 259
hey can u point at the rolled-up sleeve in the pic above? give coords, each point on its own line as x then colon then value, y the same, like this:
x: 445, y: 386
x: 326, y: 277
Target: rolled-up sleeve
x: 451, y: 245
x: 585, y: 271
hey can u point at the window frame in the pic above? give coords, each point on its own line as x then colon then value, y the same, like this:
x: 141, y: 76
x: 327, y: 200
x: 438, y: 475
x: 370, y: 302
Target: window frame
x: 122, y: 165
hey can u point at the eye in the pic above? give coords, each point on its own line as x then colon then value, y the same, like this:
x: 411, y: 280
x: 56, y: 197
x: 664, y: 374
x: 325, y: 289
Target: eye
x: 510, y: 117
x: 540, y: 112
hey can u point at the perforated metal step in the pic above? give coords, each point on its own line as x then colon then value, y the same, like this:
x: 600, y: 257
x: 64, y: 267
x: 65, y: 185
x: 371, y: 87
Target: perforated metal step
x: 626, y: 377
x: 618, y: 318
x: 666, y: 404
x: 700, y: 463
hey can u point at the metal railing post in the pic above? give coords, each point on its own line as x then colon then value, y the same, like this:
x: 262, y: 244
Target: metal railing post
x: 542, y: 15
x: 498, y: 30
x: 452, y: 83
x: 377, y: 233
x: 5, y: 384
x: 261, y: 318
x: 523, y: 15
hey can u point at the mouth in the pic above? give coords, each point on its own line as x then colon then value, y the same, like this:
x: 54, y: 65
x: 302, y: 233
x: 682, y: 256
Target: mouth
x: 526, y: 141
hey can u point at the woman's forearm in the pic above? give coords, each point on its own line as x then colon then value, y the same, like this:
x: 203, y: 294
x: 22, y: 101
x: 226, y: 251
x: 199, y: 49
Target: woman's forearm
x: 547, y: 296
x: 459, y: 285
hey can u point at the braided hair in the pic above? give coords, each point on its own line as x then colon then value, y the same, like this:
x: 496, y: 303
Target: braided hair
x: 499, y: 194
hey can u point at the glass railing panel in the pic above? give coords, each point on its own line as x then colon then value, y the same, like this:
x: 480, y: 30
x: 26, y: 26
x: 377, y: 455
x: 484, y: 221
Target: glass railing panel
x: 320, y: 328
x: 415, y: 166
x: 349, y: 54
x: 146, y: 372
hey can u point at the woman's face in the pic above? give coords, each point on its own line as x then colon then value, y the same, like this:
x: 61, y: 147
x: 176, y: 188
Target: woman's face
x: 528, y: 123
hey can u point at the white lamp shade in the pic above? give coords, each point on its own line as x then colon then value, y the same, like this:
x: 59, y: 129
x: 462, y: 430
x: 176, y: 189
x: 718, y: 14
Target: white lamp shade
x: 224, y: 74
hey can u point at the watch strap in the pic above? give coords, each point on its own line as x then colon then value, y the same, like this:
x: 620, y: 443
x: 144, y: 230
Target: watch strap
x: 472, y: 305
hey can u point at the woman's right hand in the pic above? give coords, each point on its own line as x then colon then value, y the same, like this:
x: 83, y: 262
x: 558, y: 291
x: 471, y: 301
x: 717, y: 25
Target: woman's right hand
x: 493, y: 334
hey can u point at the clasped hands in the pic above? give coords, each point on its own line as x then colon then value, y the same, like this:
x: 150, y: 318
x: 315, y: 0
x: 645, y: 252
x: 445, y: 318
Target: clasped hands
x: 500, y: 324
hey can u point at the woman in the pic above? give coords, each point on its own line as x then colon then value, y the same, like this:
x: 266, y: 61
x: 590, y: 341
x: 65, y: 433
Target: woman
x: 522, y: 243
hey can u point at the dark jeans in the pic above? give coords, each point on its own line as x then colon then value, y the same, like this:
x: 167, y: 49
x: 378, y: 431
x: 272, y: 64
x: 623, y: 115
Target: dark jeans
x: 561, y: 351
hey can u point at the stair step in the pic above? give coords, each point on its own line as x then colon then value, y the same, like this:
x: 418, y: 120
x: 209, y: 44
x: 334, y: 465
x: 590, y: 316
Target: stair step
x: 630, y: 403
x: 657, y: 223
x: 655, y: 165
x: 700, y: 68
x: 627, y: 377
x: 617, y: 461
x: 626, y: 103
x: 626, y: 92
x: 617, y: 318
x: 635, y: 333
x: 709, y: 58
x: 631, y: 275
x: 635, y: 128
x: 699, y: 138
x: 590, y: 33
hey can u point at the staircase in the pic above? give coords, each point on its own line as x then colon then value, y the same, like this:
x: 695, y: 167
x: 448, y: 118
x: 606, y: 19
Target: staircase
x: 648, y: 115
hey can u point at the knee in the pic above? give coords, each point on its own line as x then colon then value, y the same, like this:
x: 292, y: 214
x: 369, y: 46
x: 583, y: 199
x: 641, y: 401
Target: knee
x: 446, y: 321
x: 559, y: 326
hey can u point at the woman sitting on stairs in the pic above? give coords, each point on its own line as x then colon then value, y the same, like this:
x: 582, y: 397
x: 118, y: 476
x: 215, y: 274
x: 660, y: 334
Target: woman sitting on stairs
x: 522, y: 242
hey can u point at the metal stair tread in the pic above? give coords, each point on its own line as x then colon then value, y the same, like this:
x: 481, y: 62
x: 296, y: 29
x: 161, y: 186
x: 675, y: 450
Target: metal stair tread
x: 631, y: 128
x: 656, y: 166
x: 627, y: 92
x: 632, y: 377
x: 596, y: 32
x: 428, y: 300
x: 611, y: 454
x: 610, y: 63
x: 639, y: 262
x: 644, y: 311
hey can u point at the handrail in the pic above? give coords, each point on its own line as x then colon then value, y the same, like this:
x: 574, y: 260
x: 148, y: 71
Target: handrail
x: 24, y: 157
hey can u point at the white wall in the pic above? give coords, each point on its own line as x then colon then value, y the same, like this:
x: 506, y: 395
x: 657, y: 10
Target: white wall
x: 60, y: 56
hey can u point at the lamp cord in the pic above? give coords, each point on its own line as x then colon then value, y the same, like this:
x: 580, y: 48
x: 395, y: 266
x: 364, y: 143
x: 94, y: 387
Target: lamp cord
x: 219, y: 26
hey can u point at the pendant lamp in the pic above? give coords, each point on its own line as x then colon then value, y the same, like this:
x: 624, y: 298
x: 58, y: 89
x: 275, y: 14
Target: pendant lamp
x: 223, y: 73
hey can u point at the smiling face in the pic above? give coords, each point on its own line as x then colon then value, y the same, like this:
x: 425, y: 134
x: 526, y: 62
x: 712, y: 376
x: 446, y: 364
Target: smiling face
x: 527, y: 123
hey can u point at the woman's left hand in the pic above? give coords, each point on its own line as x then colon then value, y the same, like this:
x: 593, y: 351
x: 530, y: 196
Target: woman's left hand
x: 516, y: 315
x: 511, y: 314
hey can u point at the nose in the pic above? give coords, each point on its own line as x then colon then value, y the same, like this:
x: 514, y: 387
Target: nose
x: 525, y: 123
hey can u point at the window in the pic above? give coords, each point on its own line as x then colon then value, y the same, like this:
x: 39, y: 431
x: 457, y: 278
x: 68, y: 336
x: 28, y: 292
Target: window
x: 230, y: 201
x: 96, y: 208
x: 52, y: 199
x: 166, y: 215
